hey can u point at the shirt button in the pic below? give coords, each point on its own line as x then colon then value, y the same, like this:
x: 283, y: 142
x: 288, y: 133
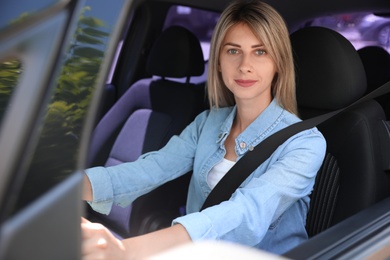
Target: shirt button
x: 220, y: 135
x: 242, y: 145
x: 251, y: 148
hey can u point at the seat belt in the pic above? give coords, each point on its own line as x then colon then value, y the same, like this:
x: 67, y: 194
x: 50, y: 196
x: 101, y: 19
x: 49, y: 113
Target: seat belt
x: 252, y: 159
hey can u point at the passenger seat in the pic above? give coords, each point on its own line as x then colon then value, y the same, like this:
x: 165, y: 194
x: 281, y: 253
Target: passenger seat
x: 330, y: 76
x: 376, y: 61
x: 144, y: 119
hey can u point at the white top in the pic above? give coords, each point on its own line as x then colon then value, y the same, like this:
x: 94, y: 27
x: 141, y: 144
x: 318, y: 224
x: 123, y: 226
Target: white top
x: 218, y: 171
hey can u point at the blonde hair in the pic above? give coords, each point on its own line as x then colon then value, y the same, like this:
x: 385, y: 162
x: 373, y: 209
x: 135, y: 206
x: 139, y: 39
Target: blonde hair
x: 269, y: 27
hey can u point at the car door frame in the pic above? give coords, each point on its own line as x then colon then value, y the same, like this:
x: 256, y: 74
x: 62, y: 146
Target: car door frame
x: 49, y: 227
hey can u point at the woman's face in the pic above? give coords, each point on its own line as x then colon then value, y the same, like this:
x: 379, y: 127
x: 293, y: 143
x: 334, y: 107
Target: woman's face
x: 247, y: 69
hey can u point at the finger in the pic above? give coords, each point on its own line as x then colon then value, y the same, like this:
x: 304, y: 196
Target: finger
x: 84, y: 220
x: 102, y: 243
x: 89, y: 230
x: 93, y: 245
x: 85, y: 231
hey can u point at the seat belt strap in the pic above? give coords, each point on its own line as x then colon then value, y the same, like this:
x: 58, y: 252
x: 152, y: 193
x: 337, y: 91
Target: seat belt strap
x: 252, y: 159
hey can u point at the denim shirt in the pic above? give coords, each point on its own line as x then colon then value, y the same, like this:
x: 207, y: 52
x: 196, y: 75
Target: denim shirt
x: 267, y: 211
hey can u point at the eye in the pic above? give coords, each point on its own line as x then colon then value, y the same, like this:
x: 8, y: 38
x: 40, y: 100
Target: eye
x: 260, y: 52
x: 232, y: 51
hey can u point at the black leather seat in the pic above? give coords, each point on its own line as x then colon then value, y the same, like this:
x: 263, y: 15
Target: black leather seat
x: 145, y: 118
x: 330, y: 75
x: 376, y: 62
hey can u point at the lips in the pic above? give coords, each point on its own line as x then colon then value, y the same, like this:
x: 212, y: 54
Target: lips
x: 245, y: 83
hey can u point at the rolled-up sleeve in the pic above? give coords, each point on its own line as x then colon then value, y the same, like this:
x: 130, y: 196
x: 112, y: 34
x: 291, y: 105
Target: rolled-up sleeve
x: 102, y: 189
x: 123, y: 183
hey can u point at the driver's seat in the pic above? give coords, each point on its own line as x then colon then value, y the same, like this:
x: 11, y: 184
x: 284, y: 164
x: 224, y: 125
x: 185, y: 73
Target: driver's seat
x: 144, y: 119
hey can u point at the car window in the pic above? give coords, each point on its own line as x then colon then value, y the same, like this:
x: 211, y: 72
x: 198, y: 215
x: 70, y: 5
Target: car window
x: 15, y: 11
x: 56, y: 155
x: 10, y: 73
x: 361, y: 29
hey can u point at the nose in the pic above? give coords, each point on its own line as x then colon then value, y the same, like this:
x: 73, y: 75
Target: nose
x: 245, y: 64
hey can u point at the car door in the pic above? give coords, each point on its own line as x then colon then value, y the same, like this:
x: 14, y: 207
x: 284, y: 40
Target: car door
x: 54, y: 58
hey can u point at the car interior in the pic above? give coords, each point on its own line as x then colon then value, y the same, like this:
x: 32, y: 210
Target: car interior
x: 342, y: 180
x: 376, y: 62
x: 158, y: 87
x: 144, y: 119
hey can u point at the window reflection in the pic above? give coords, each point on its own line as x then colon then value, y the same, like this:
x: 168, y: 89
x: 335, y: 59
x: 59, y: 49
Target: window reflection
x: 10, y: 72
x: 17, y: 11
x: 56, y: 155
x: 361, y: 29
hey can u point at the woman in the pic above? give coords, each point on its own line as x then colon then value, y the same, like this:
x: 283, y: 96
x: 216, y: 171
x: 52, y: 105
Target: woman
x: 252, y: 95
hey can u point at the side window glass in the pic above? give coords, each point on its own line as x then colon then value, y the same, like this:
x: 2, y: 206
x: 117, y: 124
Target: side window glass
x: 10, y: 72
x: 57, y: 153
x: 361, y: 29
x: 17, y: 11
x: 200, y: 22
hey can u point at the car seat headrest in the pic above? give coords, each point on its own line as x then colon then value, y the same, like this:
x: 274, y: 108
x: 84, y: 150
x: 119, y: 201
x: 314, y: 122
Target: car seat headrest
x: 376, y: 62
x: 330, y: 74
x: 176, y: 53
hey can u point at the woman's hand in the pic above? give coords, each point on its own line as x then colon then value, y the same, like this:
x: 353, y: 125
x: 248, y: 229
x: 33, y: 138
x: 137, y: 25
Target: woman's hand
x: 99, y: 243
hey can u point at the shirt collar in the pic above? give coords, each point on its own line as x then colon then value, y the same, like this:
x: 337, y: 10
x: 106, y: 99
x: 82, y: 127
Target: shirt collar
x: 257, y: 131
